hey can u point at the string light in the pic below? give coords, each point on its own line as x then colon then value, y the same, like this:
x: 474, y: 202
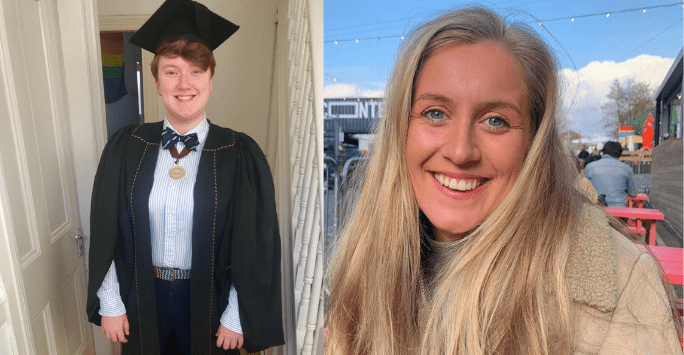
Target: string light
x: 335, y: 42
x: 539, y: 22
x: 342, y: 81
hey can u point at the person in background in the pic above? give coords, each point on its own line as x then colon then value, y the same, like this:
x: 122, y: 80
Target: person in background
x: 593, y: 156
x: 468, y: 234
x: 583, y: 154
x: 583, y: 183
x: 185, y: 245
x: 611, y: 177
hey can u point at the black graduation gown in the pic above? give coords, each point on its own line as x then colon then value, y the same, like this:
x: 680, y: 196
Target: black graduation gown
x: 235, y: 238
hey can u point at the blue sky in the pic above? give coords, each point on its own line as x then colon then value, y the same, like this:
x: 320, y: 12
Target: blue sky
x: 592, y: 51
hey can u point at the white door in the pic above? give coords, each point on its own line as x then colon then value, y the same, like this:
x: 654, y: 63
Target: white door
x: 43, y: 273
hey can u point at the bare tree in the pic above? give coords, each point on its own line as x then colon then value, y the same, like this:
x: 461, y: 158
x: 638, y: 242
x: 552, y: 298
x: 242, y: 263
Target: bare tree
x: 642, y: 101
x: 613, y: 109
x: 626, y: 102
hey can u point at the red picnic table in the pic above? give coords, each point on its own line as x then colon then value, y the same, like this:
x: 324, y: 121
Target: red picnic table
x: 672, y: 260
x: 637, y: 201
x: 647, y: 216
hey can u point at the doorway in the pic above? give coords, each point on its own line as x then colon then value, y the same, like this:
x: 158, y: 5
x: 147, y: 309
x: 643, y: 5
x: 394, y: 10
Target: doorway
x: 122, y: 79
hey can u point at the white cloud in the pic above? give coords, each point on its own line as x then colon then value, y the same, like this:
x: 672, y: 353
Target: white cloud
x: 333, y: 91
x: 584, y: 91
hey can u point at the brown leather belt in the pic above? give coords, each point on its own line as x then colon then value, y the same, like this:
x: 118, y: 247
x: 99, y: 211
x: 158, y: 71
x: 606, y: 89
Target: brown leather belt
x: 171, y: 274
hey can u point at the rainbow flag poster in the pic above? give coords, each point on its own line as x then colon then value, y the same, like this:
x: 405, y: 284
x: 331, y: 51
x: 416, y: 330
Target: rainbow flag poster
x: 113, y: 66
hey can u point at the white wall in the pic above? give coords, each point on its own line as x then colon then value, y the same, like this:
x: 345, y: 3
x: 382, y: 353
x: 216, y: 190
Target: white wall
x: 244, y: 70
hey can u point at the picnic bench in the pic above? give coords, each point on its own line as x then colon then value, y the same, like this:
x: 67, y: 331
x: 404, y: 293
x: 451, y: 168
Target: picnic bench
x: 645, y: 219
x: 672, y: 260
x: 637, y: 201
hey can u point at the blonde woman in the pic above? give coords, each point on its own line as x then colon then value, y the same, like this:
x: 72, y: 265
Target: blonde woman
x: 468, y: 234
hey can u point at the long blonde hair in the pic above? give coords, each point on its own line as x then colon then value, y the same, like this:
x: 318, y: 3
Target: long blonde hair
x: 505, y: 292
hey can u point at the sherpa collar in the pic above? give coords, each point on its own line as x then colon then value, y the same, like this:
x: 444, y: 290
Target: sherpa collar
x: 591, y: 267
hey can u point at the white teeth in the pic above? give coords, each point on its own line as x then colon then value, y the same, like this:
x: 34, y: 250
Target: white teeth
x: 456, y: 184
x: 184, y: 97
x: 461, y: 185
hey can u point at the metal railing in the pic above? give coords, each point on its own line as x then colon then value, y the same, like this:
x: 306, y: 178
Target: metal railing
x: 331, y: 183
x: 336, y: 185
x: 640, y: 167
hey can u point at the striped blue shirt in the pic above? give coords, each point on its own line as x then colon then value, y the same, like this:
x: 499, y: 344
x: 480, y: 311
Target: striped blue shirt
x: 171, y: 206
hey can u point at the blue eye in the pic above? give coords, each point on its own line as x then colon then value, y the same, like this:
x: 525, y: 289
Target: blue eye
x: 496, y: 122
x: 434, y: 115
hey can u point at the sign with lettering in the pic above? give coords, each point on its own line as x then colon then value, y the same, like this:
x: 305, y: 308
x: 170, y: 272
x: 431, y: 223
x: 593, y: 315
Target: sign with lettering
x: 362, y: 108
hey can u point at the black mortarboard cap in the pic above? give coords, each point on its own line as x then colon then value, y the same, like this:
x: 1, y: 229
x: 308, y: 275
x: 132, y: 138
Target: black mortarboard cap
x: 187, y: 19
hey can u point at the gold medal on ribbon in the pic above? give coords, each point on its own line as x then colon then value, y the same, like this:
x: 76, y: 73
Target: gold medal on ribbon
x: 176, y: 172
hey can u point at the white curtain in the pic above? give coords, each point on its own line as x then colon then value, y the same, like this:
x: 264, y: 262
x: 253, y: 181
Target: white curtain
x: 299, y: 175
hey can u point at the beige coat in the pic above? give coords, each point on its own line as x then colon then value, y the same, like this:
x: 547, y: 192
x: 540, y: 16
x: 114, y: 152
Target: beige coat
x: 622, y: 307
x: 587, y: 189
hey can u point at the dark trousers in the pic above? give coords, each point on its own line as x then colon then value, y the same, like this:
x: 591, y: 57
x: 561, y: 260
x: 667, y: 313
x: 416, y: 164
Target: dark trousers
x: 173, y: 314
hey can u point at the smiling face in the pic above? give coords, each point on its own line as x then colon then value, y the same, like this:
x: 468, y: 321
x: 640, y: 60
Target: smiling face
x: 467, y: 136
x: 184, y: 87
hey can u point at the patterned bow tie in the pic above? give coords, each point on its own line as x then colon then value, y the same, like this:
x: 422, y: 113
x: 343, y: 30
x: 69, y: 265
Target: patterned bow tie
x: 170, y: 138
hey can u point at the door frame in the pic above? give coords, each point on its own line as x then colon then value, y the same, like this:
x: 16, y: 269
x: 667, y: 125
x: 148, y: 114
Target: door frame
x: 17, y: 322
x: 79, y: 23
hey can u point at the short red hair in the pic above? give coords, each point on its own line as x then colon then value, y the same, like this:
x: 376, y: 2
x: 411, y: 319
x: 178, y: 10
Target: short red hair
x: 194, y: 52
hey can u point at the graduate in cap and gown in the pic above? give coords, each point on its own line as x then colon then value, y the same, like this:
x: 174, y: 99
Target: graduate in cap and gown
x: 185, y: 248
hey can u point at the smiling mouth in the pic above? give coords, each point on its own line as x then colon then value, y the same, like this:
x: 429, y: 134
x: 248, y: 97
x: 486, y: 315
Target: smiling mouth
x: 184, y: 98
x: 458, y: 184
